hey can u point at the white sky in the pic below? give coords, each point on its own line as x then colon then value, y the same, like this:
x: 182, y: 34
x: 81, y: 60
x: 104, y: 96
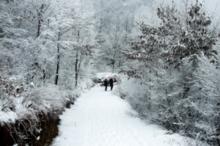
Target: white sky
x: 212, y: 6
x: 148, y: 12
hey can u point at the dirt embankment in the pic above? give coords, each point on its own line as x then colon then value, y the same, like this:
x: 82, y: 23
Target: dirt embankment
x: 34, y: 128
x: 34, y: 132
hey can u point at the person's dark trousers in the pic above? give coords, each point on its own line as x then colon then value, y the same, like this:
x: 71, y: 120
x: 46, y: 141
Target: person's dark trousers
x: 111, y: 87
x: 106, y: 88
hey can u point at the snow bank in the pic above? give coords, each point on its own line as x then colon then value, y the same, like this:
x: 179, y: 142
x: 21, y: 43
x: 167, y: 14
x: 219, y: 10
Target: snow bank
x: 44, y: 98
x: 29, y: 103
x: 8, y: 117
x: 133, y: 90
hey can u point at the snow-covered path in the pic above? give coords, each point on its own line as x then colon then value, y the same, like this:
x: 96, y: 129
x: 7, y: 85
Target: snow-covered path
x: 102, y: 119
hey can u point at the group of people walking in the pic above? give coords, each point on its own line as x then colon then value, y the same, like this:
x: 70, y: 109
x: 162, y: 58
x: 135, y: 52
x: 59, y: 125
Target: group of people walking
x: 109, y: 82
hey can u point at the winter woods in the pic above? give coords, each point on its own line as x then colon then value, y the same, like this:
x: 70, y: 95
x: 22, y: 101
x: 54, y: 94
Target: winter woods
x: 44, y: 36
x: 50, y: 49
x: 43, y: 54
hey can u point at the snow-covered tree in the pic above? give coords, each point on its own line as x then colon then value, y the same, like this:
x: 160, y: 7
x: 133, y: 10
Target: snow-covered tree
x: 173, y: 57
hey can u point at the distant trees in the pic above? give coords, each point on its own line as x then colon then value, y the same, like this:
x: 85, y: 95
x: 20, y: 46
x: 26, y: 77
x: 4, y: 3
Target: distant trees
x: 177, y: 61
x: 113, y: 29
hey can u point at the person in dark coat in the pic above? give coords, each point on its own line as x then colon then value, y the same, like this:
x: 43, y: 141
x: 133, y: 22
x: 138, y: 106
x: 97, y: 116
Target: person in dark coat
x: 111, y: 83
x: 105, y: 82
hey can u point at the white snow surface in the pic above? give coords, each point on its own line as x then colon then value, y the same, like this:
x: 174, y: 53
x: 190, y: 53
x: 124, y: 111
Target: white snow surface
x: 100, y: 118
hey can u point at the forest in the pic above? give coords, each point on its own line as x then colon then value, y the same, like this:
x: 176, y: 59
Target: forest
x: 165, y: 54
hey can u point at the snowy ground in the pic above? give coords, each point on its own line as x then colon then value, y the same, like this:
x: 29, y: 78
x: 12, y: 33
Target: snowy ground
x: 100, y: 118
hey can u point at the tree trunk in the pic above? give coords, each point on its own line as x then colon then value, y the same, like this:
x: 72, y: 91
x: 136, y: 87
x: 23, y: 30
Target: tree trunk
x: 113, y: 65
x: 58, y: 60
x: 114, y: 59
x: 39, y: 25
x: 77, y: 61
x: 76, y: 68
x: 40, y: 19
